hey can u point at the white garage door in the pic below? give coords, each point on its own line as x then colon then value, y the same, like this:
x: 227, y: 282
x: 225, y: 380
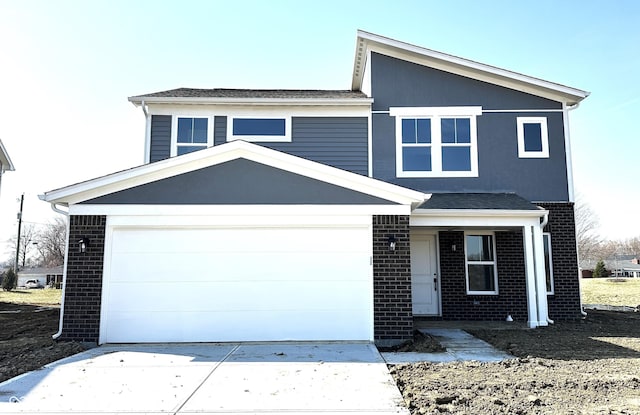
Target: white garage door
x: 239, y: 284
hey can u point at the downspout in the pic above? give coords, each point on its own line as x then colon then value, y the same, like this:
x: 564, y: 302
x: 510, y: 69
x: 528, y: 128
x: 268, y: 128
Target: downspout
x: 64, y: 269
x: 570, y: 172
x: 147, y: 133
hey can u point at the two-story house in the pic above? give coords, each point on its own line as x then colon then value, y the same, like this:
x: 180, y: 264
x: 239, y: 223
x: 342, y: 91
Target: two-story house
x: 437, y: 187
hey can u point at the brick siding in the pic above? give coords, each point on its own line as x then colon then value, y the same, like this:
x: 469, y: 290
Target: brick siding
x: 512, y: 294
x: 512, y: 297
x: 565, y: 303
x: 393, y: 319
x: 83, y: 289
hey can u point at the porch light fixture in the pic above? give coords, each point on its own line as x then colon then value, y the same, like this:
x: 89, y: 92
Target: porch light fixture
x: 83, y: 244
x: 392, y: 243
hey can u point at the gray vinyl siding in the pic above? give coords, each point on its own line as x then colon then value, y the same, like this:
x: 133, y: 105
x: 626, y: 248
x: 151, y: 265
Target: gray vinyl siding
x: 336, y: 141
x: 239, y: 182
x: 397, y: 83
x: 160, y: 147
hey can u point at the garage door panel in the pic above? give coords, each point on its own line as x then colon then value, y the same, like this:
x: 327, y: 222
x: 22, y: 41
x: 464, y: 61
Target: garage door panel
x: 219, y: 284
x: 222, y: 267
x: 222, y: 326
x: 237, y: 240
x: 221, y: 296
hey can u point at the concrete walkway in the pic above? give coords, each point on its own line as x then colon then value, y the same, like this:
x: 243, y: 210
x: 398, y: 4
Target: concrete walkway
x: 460, y: 345
x: 337, y: 378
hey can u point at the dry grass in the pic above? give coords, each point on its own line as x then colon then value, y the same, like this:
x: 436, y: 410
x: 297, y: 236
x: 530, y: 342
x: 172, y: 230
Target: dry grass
x: 46, y: 297
x: 620, y: 291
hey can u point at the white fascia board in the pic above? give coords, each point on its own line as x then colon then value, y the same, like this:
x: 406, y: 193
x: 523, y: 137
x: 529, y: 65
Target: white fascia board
x: 226, y: 152
x: 362, y: 110
x: 476, y: 217
x: 252, y: 101
x: 367, y: 42
x: 293, y: 213
x: 5, y: 160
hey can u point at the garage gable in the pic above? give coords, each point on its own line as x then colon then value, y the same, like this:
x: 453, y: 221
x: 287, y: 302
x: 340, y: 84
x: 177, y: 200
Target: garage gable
x: 234, y: 173
x: 238, y: 182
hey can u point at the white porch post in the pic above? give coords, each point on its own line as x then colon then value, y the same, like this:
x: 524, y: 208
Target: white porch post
x: 541, y: 278
x: 530, y: 273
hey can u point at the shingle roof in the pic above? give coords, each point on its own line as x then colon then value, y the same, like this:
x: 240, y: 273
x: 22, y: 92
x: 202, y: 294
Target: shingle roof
x: 252, y: 93
x: 503, y: 201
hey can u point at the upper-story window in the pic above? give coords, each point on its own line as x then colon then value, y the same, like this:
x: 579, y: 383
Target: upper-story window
x: 533, y: 138
x: 190, y: 134
x: 436, y: 141
x: 259, y: 129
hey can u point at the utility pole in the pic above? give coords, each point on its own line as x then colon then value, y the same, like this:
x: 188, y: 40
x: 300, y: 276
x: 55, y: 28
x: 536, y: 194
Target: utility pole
x: 19, y: 229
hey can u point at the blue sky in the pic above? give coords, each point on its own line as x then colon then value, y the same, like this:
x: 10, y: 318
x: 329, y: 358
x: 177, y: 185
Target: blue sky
x: 67, y: 68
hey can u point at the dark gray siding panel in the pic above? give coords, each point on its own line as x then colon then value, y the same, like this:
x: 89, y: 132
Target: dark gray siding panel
x: 336, y: 141
x: 239, y: 181
x: 397, y: 83
x: 220, y: 130
x: 160, y: 137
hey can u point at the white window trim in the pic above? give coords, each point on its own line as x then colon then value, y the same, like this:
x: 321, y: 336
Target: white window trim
x: 436, y: 114
x: 552, y: 291
x: 522, y: 153
x: 494, y: 263
x: 286, y: 138
x: 174, y: 132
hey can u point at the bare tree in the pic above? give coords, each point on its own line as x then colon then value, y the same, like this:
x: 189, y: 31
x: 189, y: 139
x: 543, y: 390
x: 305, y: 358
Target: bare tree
x: 27, y: 239
x: 587, y: 224
x: 52, y: 242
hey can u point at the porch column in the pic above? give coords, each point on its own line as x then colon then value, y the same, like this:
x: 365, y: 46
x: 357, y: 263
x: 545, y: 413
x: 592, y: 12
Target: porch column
x: 530, y: 273
x: 541, y: 277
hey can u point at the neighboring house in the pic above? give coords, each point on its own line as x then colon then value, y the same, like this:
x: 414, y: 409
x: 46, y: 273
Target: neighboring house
x: 618, y: 266
x: 46, y: 277
x: 437, y: 187
x: 5, y: 162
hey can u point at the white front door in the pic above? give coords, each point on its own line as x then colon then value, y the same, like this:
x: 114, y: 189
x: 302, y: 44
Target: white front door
x: 424, y: 274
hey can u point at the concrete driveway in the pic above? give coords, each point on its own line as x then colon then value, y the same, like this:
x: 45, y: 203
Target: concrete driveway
x: 210, y: 378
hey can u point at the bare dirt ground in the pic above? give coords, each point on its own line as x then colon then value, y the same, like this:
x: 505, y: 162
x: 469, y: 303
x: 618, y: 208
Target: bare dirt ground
x: 584, y: 367
x: 25, y: 339
x: 590, y: 366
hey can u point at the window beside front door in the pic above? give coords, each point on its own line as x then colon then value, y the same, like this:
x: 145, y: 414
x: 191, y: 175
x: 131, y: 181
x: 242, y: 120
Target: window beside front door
x: 481, y: 270
x: 548, y: 265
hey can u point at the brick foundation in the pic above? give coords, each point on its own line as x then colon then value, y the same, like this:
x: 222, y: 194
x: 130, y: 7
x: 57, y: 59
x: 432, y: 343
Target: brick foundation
x: 83, y: 287
x: 565, y: 303
x: 393, y: 319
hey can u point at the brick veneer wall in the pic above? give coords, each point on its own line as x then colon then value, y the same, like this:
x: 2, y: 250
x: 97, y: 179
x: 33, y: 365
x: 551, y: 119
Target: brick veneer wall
x: 83, y: 287
x: 512, y: 297
x: 565, y: 303
x: 393, y: 318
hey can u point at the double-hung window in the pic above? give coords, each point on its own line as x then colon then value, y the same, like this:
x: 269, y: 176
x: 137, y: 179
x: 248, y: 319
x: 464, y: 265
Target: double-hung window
x: 533, y: 137
x: 436, y: 141
x: 190, y: 134
x: 482, y: 274
x: 256, y: 129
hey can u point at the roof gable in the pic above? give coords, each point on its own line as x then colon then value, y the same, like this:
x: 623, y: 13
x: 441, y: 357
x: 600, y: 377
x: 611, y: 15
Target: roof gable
x: 238, y: 182
x: 5, y: 161
x: 176, y: 166
x: 369, y: 42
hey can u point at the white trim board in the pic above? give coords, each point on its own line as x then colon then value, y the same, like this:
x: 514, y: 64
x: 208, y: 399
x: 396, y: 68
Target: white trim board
x: 367, y: 42
x: 230, y: 151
